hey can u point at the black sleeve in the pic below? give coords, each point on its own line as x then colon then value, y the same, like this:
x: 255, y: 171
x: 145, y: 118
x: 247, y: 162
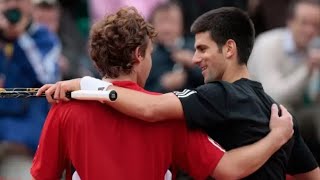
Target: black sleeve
x: 301, y: 159
x: 204, y: 107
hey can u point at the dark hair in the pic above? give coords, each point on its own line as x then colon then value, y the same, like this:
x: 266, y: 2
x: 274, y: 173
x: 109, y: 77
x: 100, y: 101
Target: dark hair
x: 293, y: 5
x: 228, y: 23
x: 114, y: 39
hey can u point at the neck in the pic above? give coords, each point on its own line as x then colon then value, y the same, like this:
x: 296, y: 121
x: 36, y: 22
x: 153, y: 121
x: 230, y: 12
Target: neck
x: 235, y: 72
x: 129, y: 77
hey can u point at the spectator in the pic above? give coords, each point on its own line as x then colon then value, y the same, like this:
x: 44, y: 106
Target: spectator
x: 73, y: 61
x: 172, y: 67
x: 28, y: 58
x: 281, y: 59
x: 263, y: 13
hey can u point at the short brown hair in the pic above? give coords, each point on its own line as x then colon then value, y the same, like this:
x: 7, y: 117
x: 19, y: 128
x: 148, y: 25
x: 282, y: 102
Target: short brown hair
x: 114, y: 39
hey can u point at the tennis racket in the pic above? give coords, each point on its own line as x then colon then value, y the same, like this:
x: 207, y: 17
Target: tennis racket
x: 109, y: 95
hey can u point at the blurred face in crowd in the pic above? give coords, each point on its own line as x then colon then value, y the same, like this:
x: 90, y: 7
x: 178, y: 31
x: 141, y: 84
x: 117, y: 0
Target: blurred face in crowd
x: 48, y: 16
x: 17, y: 14
x: 209, y: 57
x: 169, y: 25
x: 305, y: 23
x: 145, y: 64
x: 25, y: 6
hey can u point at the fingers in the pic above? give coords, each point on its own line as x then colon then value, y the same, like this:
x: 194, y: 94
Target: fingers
x: 56, y: 94
x: 62, y: 92
x: 47, y: 89
x: 43, y: 89
x: 283, y: 110
x: 286, y: 114
x: 49, y: 92
x: 274, y: 110
x: 282, y: 125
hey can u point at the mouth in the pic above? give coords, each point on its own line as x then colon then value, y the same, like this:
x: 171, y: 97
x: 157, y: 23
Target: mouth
x: 203, y: 68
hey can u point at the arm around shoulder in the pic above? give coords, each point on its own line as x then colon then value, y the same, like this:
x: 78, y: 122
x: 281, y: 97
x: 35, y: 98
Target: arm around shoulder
x: 140, y: 105
x: 241, y: 162
x: 147, y: 107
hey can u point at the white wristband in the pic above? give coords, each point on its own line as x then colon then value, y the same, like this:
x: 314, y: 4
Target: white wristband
x: 90, y: 83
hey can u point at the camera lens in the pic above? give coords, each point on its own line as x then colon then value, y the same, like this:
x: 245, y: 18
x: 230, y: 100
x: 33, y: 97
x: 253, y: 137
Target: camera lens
x: 13, y: 15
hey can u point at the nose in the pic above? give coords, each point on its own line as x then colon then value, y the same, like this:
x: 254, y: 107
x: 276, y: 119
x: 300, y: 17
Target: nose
x: 196, y: 59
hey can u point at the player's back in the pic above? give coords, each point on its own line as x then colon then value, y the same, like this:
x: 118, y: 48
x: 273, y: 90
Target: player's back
x: 246, y: 110
x: 256, y: 105
x: 102, y: 143
x: 105, y: 144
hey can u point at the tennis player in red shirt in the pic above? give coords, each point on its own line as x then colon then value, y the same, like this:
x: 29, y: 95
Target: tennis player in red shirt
x: 102, y: 143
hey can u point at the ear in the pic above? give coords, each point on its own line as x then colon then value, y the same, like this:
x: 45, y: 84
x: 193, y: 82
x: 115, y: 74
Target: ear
x: 229, y: 49
x: 137, y: 55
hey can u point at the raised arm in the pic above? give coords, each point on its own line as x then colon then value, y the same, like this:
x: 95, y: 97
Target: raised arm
x: 241, y: 162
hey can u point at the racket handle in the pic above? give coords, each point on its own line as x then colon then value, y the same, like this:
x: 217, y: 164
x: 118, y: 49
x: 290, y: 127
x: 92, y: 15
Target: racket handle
x: 109, y: 95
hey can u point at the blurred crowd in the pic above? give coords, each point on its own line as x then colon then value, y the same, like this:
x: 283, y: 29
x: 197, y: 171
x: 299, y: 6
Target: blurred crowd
x: 43, y: 41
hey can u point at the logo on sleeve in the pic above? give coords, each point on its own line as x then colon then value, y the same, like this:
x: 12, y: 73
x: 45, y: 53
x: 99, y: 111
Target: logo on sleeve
x: 184, y: 93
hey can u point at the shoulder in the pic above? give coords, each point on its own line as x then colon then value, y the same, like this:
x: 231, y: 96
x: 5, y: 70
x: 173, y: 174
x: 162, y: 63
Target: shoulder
x: 215, y: 86
x: 216, y: 91
x: 76, y: 107
x: 226, y: 91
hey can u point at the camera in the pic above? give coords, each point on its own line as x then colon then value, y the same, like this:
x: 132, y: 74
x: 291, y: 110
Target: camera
x: 13, y: 15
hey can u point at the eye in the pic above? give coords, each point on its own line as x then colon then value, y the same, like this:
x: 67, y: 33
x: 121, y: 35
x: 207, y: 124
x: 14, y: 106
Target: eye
x: 201, y: 49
